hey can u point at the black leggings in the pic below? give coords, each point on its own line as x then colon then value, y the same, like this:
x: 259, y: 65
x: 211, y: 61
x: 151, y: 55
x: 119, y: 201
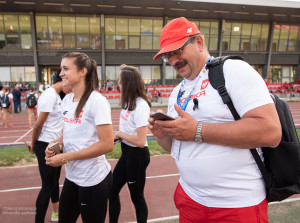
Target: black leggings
x: 90, y: 202
x: 50, y: 182
x: 130, y: 169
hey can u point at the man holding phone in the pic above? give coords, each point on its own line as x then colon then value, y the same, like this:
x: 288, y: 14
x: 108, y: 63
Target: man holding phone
x: 219, y: 179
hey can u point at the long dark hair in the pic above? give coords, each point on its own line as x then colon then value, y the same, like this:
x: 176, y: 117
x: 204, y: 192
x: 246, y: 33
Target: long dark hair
x: 91, y: 78
x: 132, y: 87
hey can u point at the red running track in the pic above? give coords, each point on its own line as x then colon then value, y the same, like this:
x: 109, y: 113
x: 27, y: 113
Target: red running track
x: 19, y: 186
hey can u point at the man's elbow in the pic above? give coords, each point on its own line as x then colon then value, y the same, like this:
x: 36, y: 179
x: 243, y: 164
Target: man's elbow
x: 275, y: 135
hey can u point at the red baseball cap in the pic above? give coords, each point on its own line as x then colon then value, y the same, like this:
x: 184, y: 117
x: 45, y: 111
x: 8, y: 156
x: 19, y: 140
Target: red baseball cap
x: 175, y: 34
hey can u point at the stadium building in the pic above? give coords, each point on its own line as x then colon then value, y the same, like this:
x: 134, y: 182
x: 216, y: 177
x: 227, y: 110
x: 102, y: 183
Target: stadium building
x: 34, y: 34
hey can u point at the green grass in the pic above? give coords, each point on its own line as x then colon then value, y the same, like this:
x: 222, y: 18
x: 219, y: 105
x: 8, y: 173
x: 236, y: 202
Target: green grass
x: 21, y: 156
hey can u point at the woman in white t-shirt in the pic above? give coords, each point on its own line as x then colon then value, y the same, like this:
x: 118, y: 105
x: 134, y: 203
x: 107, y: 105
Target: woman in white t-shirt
x: 7, y: 104
x: 87, y: 137
x: 31, y: 109
x: 131, y: 167
x: 47, y: 128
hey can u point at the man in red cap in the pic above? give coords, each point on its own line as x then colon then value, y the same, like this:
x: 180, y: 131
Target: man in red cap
x: 219, y: 179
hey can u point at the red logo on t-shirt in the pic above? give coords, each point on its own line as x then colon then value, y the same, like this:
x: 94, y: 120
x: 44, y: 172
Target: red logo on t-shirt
x: 204, y: 84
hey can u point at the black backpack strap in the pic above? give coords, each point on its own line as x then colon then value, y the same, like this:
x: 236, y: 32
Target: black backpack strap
x: 217, y: 80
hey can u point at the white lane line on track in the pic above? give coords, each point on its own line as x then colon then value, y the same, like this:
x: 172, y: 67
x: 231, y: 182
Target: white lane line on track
x: 34, y: 188
x: 24, y: 135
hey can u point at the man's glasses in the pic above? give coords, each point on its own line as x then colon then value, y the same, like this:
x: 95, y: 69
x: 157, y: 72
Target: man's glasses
x: 166, y: 56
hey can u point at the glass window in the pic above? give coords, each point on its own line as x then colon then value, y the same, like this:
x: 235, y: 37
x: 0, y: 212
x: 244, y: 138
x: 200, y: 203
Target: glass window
x: 146, y: 73
x: 170, y: 72
x: 156, y: 73
x: 134, y: 27
x: 146, y: 33
x: 82, y: 25
x: 30, y: 74
x: 134, y: 42
x: 1, y: 24
x: 17, y: 74
x: 255, y: 37
x: 95, y: 38
x: 5, y: 74
x: 69, y: 41
x: 110, y: 28
x: 11, y: 24
x: 68, y: 24
x: 226, y: 37
x: 294, y: 32
x: 82, y: 30
x: 42, y: 32
x: 25, y: 25
x: 275, y: 37
x: 134, y: 33
x: 235, y: 36
x: 284, y: 36
x: 26, y: 41
x: 204, y: 28
x: 2, y: 41
x: 55, y: 34
x: 111, y: 73
x: 121, y: 33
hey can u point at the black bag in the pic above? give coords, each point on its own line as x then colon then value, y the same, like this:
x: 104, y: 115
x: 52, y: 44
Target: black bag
x: 5, y: 103
x: 281, y: 166
x: 31, y: 101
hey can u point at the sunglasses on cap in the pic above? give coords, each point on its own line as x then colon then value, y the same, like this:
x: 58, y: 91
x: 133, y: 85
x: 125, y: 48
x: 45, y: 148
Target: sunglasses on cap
x: 166, y: 56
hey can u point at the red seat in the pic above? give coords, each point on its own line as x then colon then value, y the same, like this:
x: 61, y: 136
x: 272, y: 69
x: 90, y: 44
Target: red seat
x: 162, y: 90
x: 154, y: 86
x: 109, y: 92
x: 116, y: 92
x: 168, y: 90
x: 165, y: 85
x: 165, y: 95
x: 149, y: 86
x: 170, y: 85
x: 117, y: 96
x: 159, y: 86
x: 110, y: 97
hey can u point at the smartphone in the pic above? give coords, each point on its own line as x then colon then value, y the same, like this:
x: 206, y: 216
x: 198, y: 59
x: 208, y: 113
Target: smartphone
x: 161, y: 116
x: 117, y: 140
x: 54, y: 147
x: 28, y: 146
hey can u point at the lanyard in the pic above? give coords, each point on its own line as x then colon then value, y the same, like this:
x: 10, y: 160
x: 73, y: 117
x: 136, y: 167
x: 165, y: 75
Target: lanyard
x: 185, y: 103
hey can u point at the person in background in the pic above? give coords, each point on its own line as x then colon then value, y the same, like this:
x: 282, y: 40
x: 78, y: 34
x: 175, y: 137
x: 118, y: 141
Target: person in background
x: 1, y: 94
x: 131, y: 167
x: 219, y: 178
x: 110, y: 85
x: 87, y: 136
x: 31, y: 110
x: 7, y: 104
x: 47, y: 128
x: 17, y: 99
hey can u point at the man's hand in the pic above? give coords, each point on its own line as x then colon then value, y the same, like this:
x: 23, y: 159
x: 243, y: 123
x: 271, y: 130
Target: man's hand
x: 183, y: 128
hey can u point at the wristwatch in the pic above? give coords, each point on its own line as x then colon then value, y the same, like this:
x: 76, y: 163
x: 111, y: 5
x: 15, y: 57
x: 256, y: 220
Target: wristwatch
x: 198, y: 136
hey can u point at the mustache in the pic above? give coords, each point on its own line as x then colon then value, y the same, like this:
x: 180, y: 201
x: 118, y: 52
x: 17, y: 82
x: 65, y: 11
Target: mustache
x: 179, y: 63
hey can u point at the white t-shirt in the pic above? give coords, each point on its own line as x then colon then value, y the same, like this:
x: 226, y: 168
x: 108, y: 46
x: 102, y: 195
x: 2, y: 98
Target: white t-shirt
x: 215, y: 175
x: 50, y: 101
x: 80, y: 133
x: 131, y: 120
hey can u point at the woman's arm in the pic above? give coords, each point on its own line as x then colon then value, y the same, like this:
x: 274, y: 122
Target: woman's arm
x: 139, y: 140
x: 105, y: 145
x: 37, y: 128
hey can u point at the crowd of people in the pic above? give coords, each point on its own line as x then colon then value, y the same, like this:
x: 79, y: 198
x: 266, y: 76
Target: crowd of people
x: 219, y: 179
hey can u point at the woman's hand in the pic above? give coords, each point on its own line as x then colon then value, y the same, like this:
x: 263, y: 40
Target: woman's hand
x: 55, y: 160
